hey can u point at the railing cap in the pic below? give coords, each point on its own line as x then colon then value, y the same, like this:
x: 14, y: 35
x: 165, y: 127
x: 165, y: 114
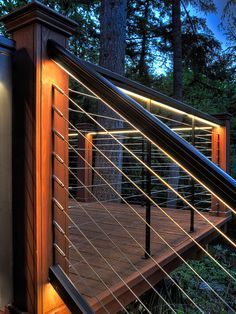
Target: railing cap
x: 36, y: 12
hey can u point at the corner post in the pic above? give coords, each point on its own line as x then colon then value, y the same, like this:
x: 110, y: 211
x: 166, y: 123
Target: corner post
x: 221, y: 156
x: 34, y: 74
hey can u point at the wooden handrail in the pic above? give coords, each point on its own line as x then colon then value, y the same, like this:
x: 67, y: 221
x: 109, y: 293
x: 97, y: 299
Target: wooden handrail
x: 188, y: 157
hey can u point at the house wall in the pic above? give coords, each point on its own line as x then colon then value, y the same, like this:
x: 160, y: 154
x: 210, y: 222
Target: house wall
x: 6, y: 48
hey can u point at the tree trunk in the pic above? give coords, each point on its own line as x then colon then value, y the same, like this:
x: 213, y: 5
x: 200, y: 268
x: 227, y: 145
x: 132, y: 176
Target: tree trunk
x: 112, y: 56
x: 142, y: 67
x: 112, y: 35
x: 177, y: 89
x: 177, y: 51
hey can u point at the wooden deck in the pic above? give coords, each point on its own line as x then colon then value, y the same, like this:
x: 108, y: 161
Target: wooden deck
x: 88, y: 282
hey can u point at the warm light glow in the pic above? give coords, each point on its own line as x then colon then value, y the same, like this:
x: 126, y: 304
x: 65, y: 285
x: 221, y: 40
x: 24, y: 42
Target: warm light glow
x: 115, y: 132
x: 152, y: 201
x: 72, y: 134
x: 136, y: 131
x: 145, y: 99
x: 153, y: 102
x: 173, y: 159
x: 53, y: 298
x: 195, y: 128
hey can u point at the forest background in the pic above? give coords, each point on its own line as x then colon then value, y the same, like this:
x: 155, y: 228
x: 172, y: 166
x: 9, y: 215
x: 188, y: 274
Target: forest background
x: 166, y: 45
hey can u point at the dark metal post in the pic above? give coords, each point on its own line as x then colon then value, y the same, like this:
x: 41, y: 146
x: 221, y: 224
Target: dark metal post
x: 6, y: 49
x: 143, y: 170
x: 148, y: 191
x: 192, y: 183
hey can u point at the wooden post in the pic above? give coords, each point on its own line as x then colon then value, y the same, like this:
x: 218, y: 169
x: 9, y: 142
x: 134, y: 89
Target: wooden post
x: 34, y: 73
x: 85, y: 173
x: 6, y: 50
x: 221, y: 156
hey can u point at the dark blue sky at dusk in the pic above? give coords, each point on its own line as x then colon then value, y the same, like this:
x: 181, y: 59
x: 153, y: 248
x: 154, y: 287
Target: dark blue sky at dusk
x: 213, y: 20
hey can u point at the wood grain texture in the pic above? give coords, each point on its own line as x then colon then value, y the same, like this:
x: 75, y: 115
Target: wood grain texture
x: 84, y: 173
x: 87, y: 281
x: 34, y: 75
x: 220, y: 156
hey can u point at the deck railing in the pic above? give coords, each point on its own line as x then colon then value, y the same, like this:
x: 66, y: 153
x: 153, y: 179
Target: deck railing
x: 142, y: 161
x: 103, y: 211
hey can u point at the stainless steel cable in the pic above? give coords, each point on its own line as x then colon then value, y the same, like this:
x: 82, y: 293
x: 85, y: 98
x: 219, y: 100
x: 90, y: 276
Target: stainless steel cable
x: 162, y: 269
x: 83, y: 279
x: 104, y: 259
x: 148, y: 225
x: 154, y: 173
x: 122, y: 253
x: 166, y: 241
x: 151, y: 170
x: 93, y: 270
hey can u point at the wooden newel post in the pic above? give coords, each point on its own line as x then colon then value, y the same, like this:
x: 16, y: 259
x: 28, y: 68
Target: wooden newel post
x: 34, y: 74
x: 221, y: 156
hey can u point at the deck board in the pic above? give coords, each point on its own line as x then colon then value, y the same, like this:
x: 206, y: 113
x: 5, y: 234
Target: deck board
x: 108, y: 259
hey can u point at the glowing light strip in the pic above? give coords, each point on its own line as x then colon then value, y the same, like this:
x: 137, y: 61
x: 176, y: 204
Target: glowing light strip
x: 152, y: 201
x: 195, y: 128
x: 72, y: 134
x: 166, y: 184
x: 154, y: 102
x: 189, y: 266
x: 120, y: 197
x: 114, y: 132
x: 136, y: 131
x: 173, y: 159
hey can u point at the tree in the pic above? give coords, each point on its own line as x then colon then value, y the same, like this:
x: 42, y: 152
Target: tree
x: 144, y: 28
x: 229, y: 26
x: 112, y: 56
x: 206, y: 5
x: 85, y: 41
x: 112, y: 35
x: 177, y: 50
x: 203, y: 5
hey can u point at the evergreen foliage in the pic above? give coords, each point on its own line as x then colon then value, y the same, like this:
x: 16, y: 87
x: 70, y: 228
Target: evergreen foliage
x: 209, y: 72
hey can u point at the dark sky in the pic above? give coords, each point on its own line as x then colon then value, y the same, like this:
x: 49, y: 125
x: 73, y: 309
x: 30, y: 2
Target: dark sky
x: 213, y: 20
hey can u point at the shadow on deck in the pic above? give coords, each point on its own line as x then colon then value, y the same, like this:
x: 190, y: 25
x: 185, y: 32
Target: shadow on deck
x: 88, y: 282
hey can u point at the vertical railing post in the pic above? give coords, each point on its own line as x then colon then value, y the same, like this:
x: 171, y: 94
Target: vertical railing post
x: 149, y: 193
x: 34, y: 75
x: 6, y: 50
x: 143, y: 177
x: 85, y: 162
x: 192, y: 182
x: 221, y: 156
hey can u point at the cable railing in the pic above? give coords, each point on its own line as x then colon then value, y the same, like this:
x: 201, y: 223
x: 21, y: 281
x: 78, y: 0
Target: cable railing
x: 128, y: 185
